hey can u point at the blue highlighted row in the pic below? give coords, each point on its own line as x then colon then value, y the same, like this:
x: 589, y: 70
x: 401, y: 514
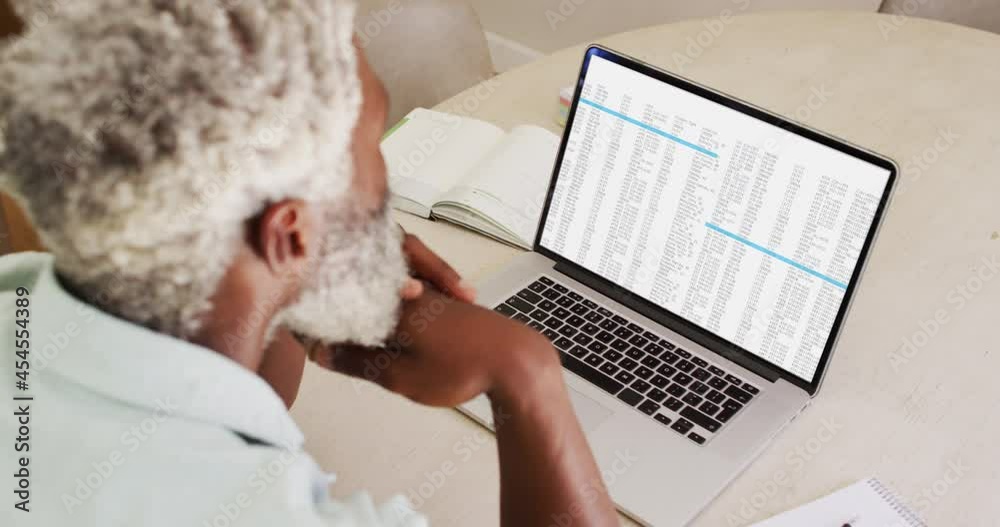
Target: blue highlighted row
x: 776, y: 256
x: 645, y: 126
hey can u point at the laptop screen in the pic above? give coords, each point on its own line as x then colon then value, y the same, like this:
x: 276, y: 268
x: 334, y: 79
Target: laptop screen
x: 742, y: 228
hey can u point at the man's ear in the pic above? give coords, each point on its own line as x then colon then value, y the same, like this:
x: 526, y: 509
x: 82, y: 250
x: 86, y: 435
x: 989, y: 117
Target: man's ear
x: 285, y: 237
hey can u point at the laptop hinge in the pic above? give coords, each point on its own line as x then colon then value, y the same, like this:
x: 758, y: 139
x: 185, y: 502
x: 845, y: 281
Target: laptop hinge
x: 673, y: 322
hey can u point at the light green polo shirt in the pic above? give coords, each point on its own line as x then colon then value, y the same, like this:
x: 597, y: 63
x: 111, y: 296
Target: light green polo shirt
x: 123, y: 426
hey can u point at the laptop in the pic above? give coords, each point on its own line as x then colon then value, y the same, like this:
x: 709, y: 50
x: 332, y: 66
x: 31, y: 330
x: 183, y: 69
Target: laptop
x: 694, y: 263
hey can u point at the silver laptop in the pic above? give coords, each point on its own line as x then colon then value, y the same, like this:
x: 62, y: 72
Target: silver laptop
x: 694, y: 263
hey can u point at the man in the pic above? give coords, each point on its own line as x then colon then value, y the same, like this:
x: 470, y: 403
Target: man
x: 207, y: 179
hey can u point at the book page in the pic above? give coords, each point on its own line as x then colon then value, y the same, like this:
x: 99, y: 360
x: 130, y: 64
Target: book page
x: 429, y: 152
x: 508, y: 187
x: 867, y: 503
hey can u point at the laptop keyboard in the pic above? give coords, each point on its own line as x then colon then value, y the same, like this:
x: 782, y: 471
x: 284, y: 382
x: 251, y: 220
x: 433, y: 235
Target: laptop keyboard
x: 651, y: 374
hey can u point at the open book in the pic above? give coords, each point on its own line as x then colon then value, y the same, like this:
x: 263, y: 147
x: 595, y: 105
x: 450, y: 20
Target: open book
x: 471, y: 173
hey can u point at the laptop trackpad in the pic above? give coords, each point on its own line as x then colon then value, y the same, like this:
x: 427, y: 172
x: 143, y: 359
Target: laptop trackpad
x: 590, y: 412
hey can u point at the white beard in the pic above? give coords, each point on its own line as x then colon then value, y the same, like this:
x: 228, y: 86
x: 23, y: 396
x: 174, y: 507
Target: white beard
x: 352, y: 294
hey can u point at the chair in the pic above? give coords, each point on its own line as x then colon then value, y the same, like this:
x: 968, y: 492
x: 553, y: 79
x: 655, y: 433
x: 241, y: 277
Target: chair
x: 423, y: 50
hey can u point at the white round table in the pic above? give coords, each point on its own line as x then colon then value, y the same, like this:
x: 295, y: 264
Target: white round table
x: 912, y: 391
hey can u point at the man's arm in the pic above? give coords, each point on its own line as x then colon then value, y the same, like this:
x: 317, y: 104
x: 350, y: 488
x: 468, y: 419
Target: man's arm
x: 547, y: 473
x: 451, y: 351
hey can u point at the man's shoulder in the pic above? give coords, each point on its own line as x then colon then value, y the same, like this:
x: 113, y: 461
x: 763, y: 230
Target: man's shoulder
x: 22, y: 270
x: 103, y: 465
x: 103, y: 461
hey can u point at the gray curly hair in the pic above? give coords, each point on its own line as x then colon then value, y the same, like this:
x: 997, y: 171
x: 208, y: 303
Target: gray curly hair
x: 140, y: 135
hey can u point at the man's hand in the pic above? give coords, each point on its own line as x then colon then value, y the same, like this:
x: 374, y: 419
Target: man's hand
x: 446, y: 352
x: 428, y: 266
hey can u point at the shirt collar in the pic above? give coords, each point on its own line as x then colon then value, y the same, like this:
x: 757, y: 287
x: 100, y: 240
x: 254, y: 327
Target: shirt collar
x: 143, y: 368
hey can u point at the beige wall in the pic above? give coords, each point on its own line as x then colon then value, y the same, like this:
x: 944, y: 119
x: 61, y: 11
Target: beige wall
x: 982, y: 14
x: 548, y: 25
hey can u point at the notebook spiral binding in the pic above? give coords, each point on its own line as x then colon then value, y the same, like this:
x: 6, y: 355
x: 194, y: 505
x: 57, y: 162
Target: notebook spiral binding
x: 909, y: 516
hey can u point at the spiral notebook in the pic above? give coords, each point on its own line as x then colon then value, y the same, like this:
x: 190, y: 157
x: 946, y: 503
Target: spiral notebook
x: 867, y: 503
